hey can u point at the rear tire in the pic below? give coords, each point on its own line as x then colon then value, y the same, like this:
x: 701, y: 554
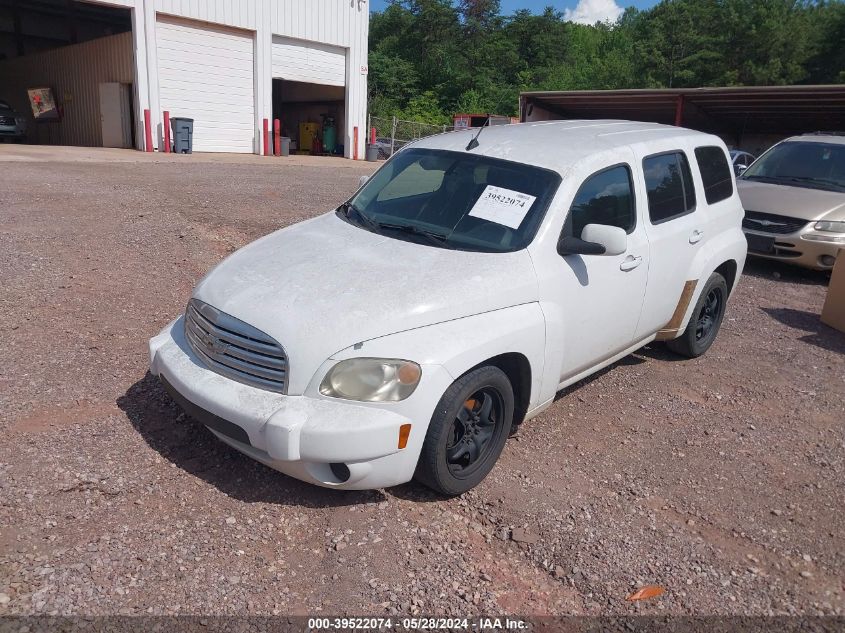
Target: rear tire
x: 467, y: 433
x: 705, y: 321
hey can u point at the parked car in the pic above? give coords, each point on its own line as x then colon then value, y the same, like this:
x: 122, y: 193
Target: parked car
x: 12, y: 124
x: 405, y: 333
x: 741, y: 161
x: 794, y: 199
x: 384, y: 146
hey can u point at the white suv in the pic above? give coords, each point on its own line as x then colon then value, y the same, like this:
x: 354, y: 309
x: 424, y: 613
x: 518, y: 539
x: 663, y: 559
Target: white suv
x: 404, y: 334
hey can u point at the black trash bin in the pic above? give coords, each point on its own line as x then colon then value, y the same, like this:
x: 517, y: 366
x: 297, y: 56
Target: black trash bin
x: 183, y: 135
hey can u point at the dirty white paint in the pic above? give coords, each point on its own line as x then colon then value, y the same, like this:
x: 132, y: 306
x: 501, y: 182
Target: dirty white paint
x: 281, y: 271
x: 327, y: 291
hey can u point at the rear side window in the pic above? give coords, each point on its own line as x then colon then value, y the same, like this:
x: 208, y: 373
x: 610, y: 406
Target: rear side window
x: 669, y: 185
x: 716, y: 173
x: 605, y: 198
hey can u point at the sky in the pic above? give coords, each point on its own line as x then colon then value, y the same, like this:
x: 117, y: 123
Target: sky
x: 585, y: 11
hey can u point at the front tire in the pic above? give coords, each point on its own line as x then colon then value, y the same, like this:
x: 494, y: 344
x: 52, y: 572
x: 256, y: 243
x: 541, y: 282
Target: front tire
x: 705, y: 321
x: 467, y: 432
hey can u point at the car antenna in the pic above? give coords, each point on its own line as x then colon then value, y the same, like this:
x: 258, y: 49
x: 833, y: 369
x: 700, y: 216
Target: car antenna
x: 474, y: 142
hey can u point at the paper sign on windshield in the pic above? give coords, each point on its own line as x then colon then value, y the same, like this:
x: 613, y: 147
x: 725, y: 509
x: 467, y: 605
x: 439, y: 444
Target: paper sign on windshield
x: 502, y: 206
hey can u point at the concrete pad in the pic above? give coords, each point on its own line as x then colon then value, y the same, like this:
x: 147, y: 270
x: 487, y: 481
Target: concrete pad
x: 68, y: 154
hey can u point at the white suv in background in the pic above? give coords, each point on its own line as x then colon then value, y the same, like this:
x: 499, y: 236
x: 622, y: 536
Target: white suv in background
x: 468, y: 281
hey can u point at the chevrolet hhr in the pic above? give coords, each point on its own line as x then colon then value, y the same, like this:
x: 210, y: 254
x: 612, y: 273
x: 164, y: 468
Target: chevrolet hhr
x: 477, y: 273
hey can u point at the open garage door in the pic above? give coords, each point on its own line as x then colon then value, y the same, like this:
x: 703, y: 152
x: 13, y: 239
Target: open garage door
x: 309, y: 62
x: 67, y: 73
x: 206, y: 74
x: 309, y: 94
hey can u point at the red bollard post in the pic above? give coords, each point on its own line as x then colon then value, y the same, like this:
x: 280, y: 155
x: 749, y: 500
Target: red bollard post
x: 355, y: 144
x: 266, y: 137
x: 373, y: 136
x: 166, y: 132
x: 277, y: 137
x: 148, y: 131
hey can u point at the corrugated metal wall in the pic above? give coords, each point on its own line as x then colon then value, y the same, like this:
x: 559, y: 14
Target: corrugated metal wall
x: 74, y: 73
x: 341, y: 23
x: 238, y: 13
x: 337, y: 22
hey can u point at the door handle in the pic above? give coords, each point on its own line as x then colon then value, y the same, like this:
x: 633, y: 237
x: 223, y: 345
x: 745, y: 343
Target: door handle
x: 696, y: 236
x: 630, y: 262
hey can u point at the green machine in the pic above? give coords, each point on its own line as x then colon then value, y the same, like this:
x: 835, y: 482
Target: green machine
x: 329, y: 135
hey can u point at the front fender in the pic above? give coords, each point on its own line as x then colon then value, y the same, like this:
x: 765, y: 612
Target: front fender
x: 461, y: 344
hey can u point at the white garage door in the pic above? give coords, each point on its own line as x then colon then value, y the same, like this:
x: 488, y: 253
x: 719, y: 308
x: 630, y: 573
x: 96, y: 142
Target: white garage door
x: 310, y: 62
x: 205, y: 73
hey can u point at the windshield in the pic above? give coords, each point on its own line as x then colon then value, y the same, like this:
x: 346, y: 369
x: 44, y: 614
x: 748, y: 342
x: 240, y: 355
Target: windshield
x: 802, y: 164
x: 454, y: 200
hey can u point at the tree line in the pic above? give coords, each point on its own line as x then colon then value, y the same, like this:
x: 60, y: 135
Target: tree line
x: 431, y: 58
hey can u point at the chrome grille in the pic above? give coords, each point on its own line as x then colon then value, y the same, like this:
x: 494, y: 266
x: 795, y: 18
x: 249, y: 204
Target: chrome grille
x: 771, y: 223
x: 7, y: 120
x: 235, y: 349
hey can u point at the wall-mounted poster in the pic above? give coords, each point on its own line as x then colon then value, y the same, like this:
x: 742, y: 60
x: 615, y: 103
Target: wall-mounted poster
x: 43, y: 104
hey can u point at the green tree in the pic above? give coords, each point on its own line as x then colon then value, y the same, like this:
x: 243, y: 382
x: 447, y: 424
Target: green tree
x: 424, y: 108
x: 432, y: 58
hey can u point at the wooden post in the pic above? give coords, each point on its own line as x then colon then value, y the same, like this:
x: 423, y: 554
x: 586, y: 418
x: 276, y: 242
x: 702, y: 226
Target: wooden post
x: 277, y: 137
x: 679, y: 110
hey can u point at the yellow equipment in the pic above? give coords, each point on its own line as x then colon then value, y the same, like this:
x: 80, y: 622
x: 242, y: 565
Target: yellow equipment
x: 307, y: 134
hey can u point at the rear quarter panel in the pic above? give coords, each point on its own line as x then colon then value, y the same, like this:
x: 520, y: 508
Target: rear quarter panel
x: 723, y: 237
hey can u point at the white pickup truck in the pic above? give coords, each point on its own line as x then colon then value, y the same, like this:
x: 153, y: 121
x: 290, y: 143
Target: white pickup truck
x: 406, y: 333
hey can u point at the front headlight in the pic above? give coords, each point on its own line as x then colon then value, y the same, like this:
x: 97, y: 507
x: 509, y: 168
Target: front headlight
x: 372, y: 379
x: 832, y: 227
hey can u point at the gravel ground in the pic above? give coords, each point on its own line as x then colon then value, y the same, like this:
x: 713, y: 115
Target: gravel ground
x: 720, y: 479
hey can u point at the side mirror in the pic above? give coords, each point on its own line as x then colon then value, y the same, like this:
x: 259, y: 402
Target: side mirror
x: 596, y: 239
x: 740, y: 169
x: 362, y: 181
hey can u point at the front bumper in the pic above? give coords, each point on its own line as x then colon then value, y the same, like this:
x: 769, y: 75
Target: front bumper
x: 796, y: 249
x: 12, y: 131
x: 300, y: 436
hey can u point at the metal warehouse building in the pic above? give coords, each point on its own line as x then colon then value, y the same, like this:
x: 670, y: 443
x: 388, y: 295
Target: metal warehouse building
x: 84, y: 73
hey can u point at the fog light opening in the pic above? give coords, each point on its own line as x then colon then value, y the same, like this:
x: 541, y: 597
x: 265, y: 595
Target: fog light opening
x: 341, y: 471
x: 827, y: 260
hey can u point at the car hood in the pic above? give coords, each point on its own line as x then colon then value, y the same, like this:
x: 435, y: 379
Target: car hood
x: 323, y: 285
x: 796, y: 202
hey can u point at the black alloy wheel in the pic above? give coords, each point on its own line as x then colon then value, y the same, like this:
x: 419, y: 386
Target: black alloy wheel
x: 467, y: 432
x: 710, y: 313
x: 705, y: 321
x: 472, y: 431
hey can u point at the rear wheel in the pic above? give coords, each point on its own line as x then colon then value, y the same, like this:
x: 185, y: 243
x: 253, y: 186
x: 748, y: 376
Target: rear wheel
x: 467, y: 432
x: 705, y: 321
